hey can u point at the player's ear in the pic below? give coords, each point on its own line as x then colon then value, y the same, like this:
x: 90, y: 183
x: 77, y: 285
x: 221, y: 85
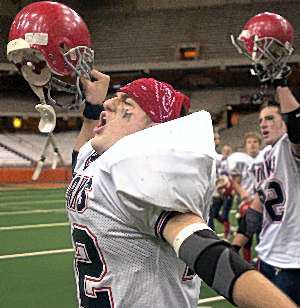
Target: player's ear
x: 150, y: 124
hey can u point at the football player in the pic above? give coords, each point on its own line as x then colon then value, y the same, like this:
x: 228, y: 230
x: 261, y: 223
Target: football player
x: 277, y: 173
x: 223, y: 194
x: 139, y: 200
x: 134, y: 209
x: 239, y: 164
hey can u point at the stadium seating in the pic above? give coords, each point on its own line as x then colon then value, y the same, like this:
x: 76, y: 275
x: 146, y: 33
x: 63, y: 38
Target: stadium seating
x: 31, y: 146
x: 9, y: 159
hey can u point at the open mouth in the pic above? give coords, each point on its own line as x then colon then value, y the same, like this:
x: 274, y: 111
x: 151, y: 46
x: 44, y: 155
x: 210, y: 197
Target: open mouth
x: 101, y: 124
x: 265, y: 134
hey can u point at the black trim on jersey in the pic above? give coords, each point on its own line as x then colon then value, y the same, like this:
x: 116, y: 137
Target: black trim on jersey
x: 91, y: 159
x: 74, y: 159
x: 161, y: 222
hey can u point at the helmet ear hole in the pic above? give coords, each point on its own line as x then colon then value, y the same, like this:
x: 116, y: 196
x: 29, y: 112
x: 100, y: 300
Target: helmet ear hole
x: 63, y: 47
x: 36, y: 75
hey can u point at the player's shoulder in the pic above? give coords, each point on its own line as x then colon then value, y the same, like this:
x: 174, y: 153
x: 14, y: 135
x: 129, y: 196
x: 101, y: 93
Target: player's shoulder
x: 84, y: 152
x: 219, y: 157
x: 86, y: 149
x: 284, y: 140
x: 239, y: 156
x: 263, y: 154
x: 177, y: 138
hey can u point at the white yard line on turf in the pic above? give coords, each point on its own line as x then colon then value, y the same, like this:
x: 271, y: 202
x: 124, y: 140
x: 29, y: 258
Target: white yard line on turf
x: 210, y: 299
x: 31, y: 212
x: 36, y: 253
x: 35, y: 226
x: 32, y: 202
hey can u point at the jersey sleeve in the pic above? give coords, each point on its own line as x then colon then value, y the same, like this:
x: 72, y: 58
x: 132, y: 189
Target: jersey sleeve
x: 238, y: 163
x: 85, y: 151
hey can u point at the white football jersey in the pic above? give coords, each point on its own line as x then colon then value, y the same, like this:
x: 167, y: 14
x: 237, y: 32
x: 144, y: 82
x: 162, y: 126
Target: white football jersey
x: 238, y: 163
x: 278, y: 183
x: 222, y: 168
x: 118, y: 204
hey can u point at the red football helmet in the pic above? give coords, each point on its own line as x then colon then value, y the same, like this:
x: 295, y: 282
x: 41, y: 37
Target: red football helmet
x: 267, y: 39
x: 48, y: 39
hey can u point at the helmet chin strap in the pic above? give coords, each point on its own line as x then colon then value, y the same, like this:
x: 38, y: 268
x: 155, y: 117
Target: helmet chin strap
x: 37, y: 82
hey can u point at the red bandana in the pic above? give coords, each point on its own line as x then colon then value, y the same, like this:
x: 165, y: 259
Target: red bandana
x: 158, y: 99
x: 183, y: 100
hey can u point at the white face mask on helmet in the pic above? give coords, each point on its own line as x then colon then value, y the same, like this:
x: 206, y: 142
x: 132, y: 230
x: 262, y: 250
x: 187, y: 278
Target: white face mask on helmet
x: 267, y: 40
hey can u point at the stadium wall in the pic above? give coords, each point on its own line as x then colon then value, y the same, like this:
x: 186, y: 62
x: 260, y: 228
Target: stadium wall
x: 23, y: 175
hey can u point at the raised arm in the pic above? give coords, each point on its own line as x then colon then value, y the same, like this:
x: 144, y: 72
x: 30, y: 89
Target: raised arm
x: 290, y: 109
x: 95, y: 92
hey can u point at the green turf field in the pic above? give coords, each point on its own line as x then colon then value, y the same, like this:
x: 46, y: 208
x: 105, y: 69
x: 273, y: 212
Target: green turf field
x: 36, y: 266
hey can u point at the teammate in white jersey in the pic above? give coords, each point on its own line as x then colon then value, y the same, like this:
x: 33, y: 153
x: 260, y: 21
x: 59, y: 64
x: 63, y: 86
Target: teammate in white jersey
x: 222, y: 197
x: 278, y: 184
x: 239, y: 164
x: 141, y: 192
x: 267, y: 41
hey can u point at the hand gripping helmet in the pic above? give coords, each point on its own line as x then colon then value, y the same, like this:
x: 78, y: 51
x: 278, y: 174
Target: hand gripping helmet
x: 267, y: 40
x: 50, y: 43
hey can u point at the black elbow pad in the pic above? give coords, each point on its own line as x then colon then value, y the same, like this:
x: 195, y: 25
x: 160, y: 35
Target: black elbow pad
x: 214, y: 261
x: 250, y: 223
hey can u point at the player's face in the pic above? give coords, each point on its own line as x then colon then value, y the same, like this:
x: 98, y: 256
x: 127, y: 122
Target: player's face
x: 217, y: 140
x: 226, y: 150
x: 121, y: 117
x: 252, y: 146
x: 271, y: 125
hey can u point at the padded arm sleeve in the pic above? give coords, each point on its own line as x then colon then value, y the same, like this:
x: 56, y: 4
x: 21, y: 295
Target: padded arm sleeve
x: 250, y: 223
x: 292, y: 121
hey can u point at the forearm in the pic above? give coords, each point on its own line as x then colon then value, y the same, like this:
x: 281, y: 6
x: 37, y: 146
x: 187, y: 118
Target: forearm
x: 290, y: 109
x: 219, y: 266
x: 240, y: 190
x: 86, y: 133
x: 286, y: 99
x: 211, y: 258
x: 239, y: 240
x: 252, y: 289
x: 249, y: 224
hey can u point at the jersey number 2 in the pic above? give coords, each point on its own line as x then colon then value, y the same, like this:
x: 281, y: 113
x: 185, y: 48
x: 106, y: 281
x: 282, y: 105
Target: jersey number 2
x: 273, y: 198
x: 90, y: 268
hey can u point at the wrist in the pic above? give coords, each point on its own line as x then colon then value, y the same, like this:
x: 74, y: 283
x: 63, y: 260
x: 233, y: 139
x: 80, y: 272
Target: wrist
x: 283, y: 82
x: 92, y: 112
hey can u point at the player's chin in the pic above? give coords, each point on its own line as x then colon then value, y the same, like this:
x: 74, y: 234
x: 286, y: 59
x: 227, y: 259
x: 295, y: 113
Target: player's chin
x: 268, y: 140
x: 98, y: 130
